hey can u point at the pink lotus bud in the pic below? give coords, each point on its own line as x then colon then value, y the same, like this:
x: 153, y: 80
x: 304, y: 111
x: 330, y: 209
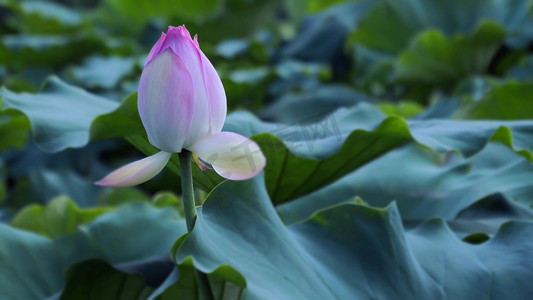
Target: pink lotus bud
x: 181, y: 97
x: 182, y: 105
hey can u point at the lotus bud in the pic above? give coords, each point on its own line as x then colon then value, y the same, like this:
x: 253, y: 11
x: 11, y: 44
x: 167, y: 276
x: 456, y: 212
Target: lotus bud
x: 182, y: 105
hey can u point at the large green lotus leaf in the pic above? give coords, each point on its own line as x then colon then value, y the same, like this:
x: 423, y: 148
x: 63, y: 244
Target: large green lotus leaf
x: 484, y: 217
x: 289, y: 176
x: 322, y: 137
x: 21, y: 279
x: 434, y: 59
x: 469, y: 137
x: 156, y: 229
x: 105, y: 281
x: 509, y: 101
x: 303, y: 158
x: 391, y: 24
x: 313, y: 155
x: 60, y: 114
x: 425, y: 184
x: 32, y: 265
x: 225, y: 282
x: 313, y: 137
x: 95, y: 279
x: 350, y: 251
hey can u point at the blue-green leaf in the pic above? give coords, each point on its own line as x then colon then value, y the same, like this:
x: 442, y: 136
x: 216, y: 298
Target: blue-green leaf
x: 350, y: 251
x: 33, y: 265
x: 60, y: 114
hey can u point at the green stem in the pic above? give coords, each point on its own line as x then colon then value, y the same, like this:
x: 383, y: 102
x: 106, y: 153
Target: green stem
x: 187, y: 190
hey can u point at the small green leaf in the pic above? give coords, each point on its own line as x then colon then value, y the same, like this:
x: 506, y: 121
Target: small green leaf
x: 434, y: 59
x: 164, y: 199
x: 60, y: 217
x: 509, y: 101
x: 405, y: 109
x: 14, y: 130
x: 119, y: 196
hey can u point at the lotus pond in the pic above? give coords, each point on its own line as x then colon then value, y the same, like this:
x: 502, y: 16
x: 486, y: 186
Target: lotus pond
x: 299, y: 149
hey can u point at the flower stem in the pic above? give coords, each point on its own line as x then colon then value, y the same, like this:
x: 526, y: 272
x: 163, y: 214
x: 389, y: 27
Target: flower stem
x: 187, y: 189
x: 190, y: 215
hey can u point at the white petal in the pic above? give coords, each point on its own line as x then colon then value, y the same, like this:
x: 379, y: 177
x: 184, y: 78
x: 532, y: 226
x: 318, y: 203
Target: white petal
x: 179, y: 40
x: 216, y: 96
x: 137, y: 172
x: 233, y: 156
x: 166, y: 101
x: 156, y: 49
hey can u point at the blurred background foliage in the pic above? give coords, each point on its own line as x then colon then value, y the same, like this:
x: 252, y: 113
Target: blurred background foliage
x: 287, y: 61
x: 431, y: 65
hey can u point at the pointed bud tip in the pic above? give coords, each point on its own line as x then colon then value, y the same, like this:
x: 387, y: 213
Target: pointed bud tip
x: 181, y: 30
x: 99, y: 182
x: 136, y: 172
x: 104, y: 182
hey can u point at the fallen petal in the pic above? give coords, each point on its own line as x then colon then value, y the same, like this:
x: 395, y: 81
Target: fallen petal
x: 232, y: 156
x: 137, y: 172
